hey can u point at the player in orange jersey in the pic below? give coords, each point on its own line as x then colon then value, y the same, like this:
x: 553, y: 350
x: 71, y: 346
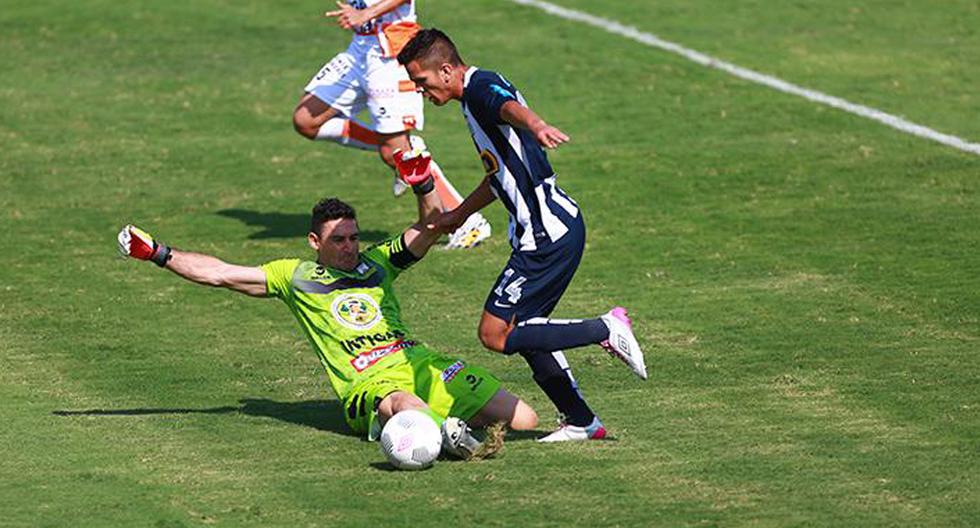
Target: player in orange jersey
x: 367, y: 76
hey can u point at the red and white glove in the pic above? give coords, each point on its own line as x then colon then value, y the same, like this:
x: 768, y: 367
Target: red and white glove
x: 138, y: 244
x: 415, y: 168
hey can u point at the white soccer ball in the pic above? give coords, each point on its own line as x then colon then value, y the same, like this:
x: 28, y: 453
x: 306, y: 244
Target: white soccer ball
x: 411, y: 440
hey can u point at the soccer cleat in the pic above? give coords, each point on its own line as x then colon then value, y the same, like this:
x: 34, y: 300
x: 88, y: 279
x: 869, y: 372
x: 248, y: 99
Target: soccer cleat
x: 398, y: 187
x: 574, y: 433
x: 622, y: 343
x: 476, y: 229
x: 458, y: 440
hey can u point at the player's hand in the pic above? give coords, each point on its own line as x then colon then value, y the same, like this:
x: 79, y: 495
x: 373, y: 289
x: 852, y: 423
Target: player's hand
x: 549, y: 136
x: 138, y: 244
x: 414, y: 167
x: 347, y: 16
x: 447, y: 222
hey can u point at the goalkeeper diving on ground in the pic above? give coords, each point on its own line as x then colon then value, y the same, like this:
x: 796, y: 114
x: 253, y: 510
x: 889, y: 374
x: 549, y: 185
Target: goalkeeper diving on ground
x: 344, y: 301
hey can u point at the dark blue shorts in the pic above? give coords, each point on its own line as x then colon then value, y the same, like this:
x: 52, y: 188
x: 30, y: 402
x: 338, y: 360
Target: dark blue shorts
x: 533, y: 282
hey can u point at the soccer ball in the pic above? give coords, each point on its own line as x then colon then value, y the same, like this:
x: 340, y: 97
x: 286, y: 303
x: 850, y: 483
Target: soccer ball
x: 411, y: 440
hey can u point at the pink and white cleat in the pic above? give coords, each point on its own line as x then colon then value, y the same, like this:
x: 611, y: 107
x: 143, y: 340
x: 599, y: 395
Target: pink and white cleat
x: 574, y: 433
x: 622, y: 343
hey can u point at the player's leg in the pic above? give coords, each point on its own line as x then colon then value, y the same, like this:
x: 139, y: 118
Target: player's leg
x: 613, y: 331
x: 398, y: 401
x: 389, y: 143
x: 373, y: 402
x: 316, y: 120
x: 457, y: 437
x: 332, y: 97
x: 471, y: 395
x: 515, y: 313
x: 515, y: 321
x: 503, y: 411
x: 390, y: 100
x: 540, y: 333
x: 528, y: 291
x: 550, y: 370
x: 531, y: 285
x: 420, y: 385
x: 336, y: 94
x: 508, y: 409
x: 503, y: 407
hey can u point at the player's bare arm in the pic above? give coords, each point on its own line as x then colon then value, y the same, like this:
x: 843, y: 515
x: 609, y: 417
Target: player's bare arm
x: 481, y: 197
x: 212, y: 271
x: 419, y: 237
x: 521, y: 116
x: 195, y: 267
x: 350, y: 18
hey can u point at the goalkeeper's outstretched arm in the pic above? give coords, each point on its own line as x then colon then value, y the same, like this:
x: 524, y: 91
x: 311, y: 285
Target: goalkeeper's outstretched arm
x: 195, y: 267
x: 212, y: 271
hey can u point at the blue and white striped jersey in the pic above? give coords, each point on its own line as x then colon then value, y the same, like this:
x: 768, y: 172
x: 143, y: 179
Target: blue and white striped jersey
x: 521, y: 177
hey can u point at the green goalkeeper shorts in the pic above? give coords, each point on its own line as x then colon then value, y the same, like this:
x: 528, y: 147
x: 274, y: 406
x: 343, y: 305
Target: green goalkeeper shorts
x: 450, y: 387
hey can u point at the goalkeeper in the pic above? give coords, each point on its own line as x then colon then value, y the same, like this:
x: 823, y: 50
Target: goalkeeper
x: 346, y: 306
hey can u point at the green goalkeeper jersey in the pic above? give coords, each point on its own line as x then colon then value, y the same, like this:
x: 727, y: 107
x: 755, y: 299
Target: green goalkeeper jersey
x: 352, y: 319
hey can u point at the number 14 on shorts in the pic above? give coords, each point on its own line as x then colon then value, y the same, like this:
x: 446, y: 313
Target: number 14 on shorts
x: 512, y: 288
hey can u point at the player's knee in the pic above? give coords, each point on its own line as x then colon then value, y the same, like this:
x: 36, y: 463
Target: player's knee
x: 493, y: 331
x: 304, y: 126
x: 387, y: 154
x: 524, y: 417
x: 390, y: 143
x: 492, y: 338
x: 399, y: 401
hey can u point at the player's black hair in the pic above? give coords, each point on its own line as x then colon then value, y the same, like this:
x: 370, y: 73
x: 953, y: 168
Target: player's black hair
x: 330, y: 209
x: 430, y: 46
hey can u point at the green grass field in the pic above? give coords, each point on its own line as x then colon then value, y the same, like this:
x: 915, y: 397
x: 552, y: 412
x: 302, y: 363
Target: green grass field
x: 805, y: 282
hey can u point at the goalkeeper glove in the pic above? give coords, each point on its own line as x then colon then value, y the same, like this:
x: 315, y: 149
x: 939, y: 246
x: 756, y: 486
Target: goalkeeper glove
x: 136, y: 243
x: 414, y: 168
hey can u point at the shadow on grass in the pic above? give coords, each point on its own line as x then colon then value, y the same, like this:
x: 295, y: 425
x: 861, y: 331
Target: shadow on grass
x: 387, y: 467
x: 442, y: 460
x: 286, y: 225
x: 525, y: 436
x: 324, y: 415
x: 383, y: 466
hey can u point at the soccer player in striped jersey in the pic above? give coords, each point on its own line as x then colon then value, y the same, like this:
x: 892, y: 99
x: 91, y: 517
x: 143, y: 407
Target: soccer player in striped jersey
x: 367, y: 76
x: 547, y: 233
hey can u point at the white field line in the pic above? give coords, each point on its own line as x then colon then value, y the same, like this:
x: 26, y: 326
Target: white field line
x: 767, y: 80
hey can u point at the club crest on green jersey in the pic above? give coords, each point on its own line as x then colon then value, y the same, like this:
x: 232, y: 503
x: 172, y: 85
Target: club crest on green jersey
x: 356, y: 311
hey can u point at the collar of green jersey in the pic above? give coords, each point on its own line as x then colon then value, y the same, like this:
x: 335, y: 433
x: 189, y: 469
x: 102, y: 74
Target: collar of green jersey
x: 363, y: 269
